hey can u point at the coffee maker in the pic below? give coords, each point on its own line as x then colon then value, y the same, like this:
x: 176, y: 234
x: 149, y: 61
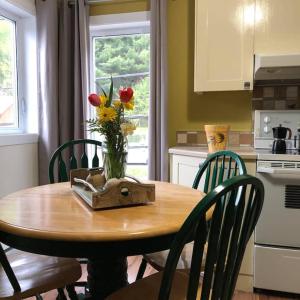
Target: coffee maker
x: 279, y: 134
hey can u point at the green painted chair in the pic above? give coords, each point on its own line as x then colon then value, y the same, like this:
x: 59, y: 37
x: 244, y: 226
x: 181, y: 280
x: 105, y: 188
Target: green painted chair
x: 217, y: 167
x: 64, y: 158
x: 236, y: 204
x: 24, y: 275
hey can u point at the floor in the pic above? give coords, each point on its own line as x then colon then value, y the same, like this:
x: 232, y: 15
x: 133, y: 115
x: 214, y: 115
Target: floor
x: 133, y: 264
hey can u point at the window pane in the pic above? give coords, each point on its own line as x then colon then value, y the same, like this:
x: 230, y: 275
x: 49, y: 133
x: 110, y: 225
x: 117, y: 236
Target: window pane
x: 8, y: 86
x: 126, y: 58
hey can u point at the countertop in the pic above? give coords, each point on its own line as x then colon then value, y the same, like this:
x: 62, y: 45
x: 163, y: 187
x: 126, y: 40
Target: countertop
x: 243, y: 151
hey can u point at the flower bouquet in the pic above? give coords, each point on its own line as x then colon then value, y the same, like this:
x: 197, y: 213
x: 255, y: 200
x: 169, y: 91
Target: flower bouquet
x: 110, y: 121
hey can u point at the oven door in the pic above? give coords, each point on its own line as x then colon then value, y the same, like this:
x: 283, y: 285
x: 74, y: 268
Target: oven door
x: 279, y: 222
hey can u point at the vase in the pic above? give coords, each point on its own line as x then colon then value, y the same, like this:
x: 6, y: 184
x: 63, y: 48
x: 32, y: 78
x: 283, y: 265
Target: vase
x: 114, y: 164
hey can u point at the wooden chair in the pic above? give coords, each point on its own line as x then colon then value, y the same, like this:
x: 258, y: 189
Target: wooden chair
x: 64, y: 159
x: 217, y: 167
x: 237, y: 204
x: 62, y: 167
x: 24, y: 275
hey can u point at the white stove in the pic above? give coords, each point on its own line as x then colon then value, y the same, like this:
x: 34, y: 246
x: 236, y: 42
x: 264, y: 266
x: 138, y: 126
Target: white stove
x: 277, y: 239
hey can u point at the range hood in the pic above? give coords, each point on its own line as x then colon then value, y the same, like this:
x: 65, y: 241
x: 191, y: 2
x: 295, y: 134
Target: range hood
x: 277, y: 67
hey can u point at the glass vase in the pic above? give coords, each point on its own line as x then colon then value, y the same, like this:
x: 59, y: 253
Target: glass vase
x: 114, y: 164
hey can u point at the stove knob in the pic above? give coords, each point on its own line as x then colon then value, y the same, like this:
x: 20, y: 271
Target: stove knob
x: 267, y: 119
x: 267, y: 129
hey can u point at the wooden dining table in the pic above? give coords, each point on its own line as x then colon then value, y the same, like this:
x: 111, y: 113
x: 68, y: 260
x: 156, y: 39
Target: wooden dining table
x: 53, y: 220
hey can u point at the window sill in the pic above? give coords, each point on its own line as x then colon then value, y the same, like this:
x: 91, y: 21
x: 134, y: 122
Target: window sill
x: 18, y: 139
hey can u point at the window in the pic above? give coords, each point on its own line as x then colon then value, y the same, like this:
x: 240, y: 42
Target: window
x: 123, y: 52
x: 18, y: 70
x: 9, y: 116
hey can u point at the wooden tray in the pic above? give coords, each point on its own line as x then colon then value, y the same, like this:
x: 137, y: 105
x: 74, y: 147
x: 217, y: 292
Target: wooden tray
x: 116, y: 193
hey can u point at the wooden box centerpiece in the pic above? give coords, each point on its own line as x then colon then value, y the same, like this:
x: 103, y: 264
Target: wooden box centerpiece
x: 98, y: 193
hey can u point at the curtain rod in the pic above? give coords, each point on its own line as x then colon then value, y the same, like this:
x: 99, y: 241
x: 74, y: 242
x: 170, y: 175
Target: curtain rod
x: 72, y: 2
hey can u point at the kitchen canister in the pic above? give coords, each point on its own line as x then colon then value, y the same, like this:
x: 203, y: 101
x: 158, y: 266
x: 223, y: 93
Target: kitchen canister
x: 217, y: 137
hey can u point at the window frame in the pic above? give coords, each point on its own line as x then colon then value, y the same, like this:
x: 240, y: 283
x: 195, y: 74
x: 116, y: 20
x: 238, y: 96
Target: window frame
x: 15, y: 19
x: 26, y: 73
x: 115, y: 24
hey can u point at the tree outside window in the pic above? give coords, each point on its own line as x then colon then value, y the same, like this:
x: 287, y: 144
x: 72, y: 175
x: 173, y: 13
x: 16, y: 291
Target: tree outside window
x: 8, y: 86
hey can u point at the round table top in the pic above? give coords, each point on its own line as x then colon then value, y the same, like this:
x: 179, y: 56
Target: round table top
x: 55, y: 212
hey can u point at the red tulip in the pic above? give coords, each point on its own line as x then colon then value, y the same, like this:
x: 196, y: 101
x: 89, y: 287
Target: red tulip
x: 126, y: 94
x: 94, y: 99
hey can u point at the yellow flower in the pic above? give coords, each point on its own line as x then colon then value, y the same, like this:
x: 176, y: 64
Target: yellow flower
x: 129, y: 105
x: 117, y: 103
x: 103, y: 100
x: 127, y: 128
x: 106, y: 114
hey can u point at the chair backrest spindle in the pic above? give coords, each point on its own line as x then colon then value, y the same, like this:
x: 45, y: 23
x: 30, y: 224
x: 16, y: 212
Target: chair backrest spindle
x: 95, y: 161
x: 69, y: 147
x: 73, y: 160
x: 84, y: 159
x: 62, y: 169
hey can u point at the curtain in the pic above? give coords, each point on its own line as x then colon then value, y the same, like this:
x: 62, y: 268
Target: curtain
x: 62, y: 39
x: 158, y: 140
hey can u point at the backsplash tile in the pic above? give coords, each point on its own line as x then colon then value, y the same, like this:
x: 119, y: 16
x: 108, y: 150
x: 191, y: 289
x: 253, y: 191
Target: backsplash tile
x: 181, y: 137
x: 292, y: 92
x: 246, y: 139
x: 234, y: 139
x: 201, y: 137
x: 268, y: 104
x: 280, y: 104
x: 192, y: 138
x: 276, y: 97
x: 268, y: 92
x: 198, y: 138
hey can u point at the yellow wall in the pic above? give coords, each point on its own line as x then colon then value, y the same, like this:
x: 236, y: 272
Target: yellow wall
x: 187, y: 110
x: 121, y: 6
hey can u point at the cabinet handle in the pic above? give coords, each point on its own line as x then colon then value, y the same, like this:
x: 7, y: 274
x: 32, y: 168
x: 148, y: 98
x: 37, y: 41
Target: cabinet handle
x: 247, y: 85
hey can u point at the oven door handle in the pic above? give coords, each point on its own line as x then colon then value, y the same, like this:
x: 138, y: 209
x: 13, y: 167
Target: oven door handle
x: 278, y: 171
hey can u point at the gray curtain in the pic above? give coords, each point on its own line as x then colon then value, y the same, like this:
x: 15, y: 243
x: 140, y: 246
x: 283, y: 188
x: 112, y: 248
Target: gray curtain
x: 158, y: 142
x: 62, y: 38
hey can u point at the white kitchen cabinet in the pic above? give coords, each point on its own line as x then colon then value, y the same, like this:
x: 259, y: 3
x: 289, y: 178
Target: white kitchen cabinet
x: 277, y: 27
x: 183, y: 171
x: 224, y: 45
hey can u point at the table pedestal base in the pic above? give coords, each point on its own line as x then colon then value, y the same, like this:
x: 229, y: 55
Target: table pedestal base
x: 105, y: 276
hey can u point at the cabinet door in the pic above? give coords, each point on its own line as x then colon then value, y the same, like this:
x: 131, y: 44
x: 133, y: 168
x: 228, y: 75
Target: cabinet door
x: 184, y: 169
x: 224, y: 45
x: 277, y: 27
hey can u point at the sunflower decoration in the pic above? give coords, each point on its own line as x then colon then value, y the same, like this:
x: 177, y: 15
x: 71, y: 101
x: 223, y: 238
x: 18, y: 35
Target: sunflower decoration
x: 218, y: 138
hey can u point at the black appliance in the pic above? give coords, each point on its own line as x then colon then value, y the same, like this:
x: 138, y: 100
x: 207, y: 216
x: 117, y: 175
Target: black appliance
x: 280, y: 134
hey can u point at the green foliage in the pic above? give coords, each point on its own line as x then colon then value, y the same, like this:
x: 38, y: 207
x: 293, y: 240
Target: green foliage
x: 122, y: 55
x: 5, y: 55
x: 126, y: 55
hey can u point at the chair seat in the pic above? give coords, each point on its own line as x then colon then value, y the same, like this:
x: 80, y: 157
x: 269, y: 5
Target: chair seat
x: 158, y: 259
x: 149, y: 287
x: 37, y: 274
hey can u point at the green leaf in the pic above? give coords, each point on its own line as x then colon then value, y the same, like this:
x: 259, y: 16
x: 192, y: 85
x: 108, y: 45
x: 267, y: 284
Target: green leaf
x: 111, y: 89
x: 103, y: 92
